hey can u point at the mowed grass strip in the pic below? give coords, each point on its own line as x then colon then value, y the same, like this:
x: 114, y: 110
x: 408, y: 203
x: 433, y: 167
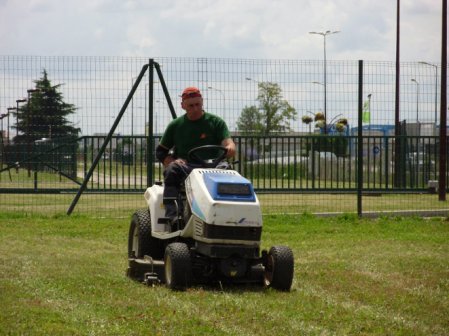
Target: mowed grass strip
x: 64, y: 275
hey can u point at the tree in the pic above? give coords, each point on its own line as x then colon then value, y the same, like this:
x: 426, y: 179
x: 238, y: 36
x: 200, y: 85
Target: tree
x: 250, y: 121
x: 45, y: 114
x: 272, y: 115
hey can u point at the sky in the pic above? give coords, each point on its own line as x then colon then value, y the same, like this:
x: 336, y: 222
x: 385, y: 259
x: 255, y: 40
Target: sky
x: 248, y: 29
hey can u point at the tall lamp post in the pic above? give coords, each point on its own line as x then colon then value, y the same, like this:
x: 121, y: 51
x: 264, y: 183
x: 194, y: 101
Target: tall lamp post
x: 325, y: 118
x: 417, y: 99
x: 3, y: 154
x: 221, y: 93
x: 436, y: 88
x: 29, y: 120
x: 9, y: 112
x: 324, y: 34
x: 146, y: 107
x: 2, y: 116
x: 252, y: 80
x: 18, y: 101
x: 310, y: 123
x: 2, y: 142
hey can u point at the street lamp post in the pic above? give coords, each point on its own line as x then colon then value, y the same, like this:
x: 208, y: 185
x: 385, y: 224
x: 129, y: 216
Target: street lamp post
x: 310, y: 123
x: 2, y: 116
x: 2, y: 143
x: 20, y: 100
x: 324, y: 34
x: 418, y: 129
x: 29, y: 120
x: 417, y: 99
x: 8, y: 129
x: 222, y: 95
x: 3, y: 154
x: 436, y: 88
x: 252, y: 80
x: 325, y: 119
x: 146, y: 105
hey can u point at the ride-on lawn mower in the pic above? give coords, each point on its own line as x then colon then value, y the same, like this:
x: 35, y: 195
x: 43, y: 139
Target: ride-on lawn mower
x: 215, y: 237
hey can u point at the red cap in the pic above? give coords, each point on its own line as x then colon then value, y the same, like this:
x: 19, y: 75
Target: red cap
x: 190, y: 92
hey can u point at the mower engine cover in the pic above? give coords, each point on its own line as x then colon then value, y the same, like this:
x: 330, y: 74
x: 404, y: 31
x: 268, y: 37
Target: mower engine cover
x: 223, y: 197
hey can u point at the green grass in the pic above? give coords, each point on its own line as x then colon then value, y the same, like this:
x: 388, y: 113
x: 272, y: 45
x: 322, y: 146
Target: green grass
x: 66, y: 276
x: 119, y: 205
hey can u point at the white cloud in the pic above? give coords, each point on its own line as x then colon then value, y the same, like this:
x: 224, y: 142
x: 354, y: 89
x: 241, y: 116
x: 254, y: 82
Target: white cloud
x: 232, y: 28
x: 99, y: 33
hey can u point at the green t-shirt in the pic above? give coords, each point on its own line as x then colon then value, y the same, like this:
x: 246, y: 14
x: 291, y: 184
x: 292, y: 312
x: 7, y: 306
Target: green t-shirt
x: 183, y: 134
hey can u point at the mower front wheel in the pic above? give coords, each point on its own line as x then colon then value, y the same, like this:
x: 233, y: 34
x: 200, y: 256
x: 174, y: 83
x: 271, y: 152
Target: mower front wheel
x: 178, y: 266
x: 279, y: 268
x: 140, y: 241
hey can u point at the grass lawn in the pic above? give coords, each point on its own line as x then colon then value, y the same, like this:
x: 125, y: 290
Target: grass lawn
x: 64, y: 275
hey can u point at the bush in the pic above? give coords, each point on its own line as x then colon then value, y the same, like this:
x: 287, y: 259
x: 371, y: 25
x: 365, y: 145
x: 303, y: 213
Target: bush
x: 334, y: 144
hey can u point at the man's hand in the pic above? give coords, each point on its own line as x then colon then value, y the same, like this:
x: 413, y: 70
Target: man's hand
x: 230, y: 146
x: 169, y: 159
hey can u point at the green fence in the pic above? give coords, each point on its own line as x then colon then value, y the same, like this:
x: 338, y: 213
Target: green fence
x: 274, y: 164
x: 279, y: 167
x: 329, y: 163
x: 296, y: 170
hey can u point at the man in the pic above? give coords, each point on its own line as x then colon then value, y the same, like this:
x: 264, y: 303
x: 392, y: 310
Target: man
x: 193, y: 129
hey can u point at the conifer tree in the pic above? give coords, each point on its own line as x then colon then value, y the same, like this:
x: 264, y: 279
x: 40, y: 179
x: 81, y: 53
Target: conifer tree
x: 44, y: 115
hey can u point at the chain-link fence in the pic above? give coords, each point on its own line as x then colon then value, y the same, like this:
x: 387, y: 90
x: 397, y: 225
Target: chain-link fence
x: 306, y: 167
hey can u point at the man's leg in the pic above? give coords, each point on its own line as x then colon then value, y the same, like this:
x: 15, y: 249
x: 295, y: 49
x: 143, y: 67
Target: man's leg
x: 170, y: 196
x: 174, y: 175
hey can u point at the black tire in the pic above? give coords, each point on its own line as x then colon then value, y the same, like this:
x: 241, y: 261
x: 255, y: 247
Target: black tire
x: 178, y: 266
x: 279, y: 268
x: 140, y: 241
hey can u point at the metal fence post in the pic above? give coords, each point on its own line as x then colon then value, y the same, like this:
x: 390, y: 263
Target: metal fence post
x: 150, y: 138
x: 443, y: 107
x: 360, y: 142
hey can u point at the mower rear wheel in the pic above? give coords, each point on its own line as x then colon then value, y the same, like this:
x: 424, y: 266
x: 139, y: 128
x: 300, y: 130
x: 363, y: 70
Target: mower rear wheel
x: 178, y: 266
x: 279, y: 268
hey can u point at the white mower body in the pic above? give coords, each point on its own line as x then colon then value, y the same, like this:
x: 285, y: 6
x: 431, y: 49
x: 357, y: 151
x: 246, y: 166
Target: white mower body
x: 215, y: 197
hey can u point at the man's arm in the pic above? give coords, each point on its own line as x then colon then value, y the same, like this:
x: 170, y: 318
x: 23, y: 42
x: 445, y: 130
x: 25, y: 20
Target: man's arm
x: 230, y: 146
x: 163, y: 156
x: 162, y: 153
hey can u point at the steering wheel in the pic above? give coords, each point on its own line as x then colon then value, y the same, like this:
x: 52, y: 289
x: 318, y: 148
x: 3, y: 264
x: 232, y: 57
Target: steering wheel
x: 193, y: 157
